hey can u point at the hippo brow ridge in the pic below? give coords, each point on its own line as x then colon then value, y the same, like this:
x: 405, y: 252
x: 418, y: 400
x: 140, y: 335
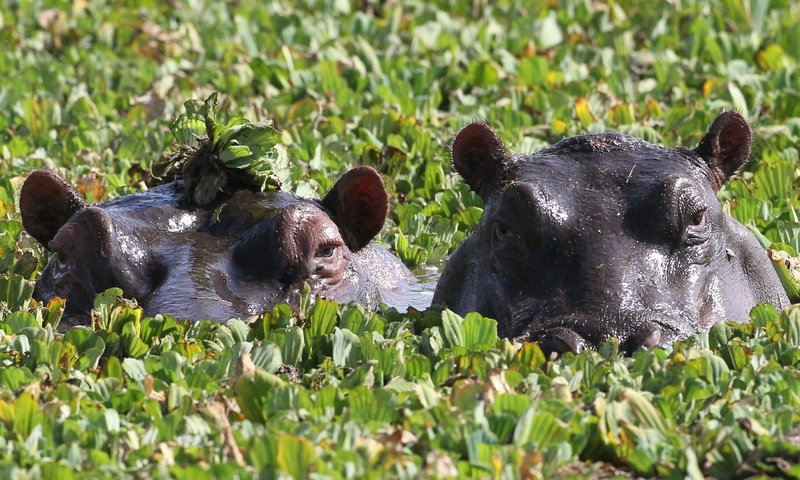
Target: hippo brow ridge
x: 599, y: 143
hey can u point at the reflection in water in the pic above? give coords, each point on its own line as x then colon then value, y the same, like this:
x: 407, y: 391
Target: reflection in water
x: 417, y: 295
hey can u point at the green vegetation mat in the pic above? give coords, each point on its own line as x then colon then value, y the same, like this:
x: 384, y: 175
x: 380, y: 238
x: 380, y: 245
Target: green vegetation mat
x: 332, y: 391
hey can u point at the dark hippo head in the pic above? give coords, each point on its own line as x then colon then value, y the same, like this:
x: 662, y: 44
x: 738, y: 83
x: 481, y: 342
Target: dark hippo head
x: 607, y: 235
x: 239, y: 257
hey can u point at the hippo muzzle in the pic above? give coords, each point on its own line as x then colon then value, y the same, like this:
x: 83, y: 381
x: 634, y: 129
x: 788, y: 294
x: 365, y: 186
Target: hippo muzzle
x: 574, y: 333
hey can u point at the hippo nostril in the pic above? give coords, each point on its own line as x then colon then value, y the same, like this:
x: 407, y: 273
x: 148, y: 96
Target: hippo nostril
x: 561, y: 340
x: 648, y: 337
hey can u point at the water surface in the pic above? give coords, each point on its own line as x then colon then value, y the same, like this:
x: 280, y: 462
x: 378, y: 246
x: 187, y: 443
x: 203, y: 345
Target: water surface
x: 417, y: 295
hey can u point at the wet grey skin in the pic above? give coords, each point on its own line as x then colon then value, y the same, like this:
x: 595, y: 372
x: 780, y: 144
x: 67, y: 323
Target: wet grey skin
x: 606, y: 235
x: 236, y: 258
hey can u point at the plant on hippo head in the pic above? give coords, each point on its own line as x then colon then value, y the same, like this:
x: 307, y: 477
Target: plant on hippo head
x: 213, y: 158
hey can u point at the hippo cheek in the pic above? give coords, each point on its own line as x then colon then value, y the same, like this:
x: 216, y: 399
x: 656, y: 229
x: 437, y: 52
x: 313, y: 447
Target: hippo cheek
x: 76, y: 273
x: 72, y: 282
x: 710, y: 310
x: 351, y: 283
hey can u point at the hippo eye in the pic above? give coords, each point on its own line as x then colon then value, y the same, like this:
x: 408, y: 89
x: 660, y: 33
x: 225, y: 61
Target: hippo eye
x: 325, y: 251
x: 502, y: 232
x: 696, y: 229
x: 504, y: 237
x: 699, y: 219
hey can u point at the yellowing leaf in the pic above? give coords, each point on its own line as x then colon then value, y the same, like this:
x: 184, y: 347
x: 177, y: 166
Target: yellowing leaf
x: 553, y: 77
x: 770, y: 57
x: 653, y: 109
x: 558, y: 127
x: 708, y: 85
x: 26, y: 414
x: 582, y: 111
x: 621, y: 115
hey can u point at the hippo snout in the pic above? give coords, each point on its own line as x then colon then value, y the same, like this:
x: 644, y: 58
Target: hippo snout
x: 561, y: 340
x: 575, y: 336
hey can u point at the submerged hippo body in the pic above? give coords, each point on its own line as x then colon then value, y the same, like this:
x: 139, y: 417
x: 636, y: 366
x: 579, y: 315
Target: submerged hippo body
x: 239, y: 257
x: 606, y: 235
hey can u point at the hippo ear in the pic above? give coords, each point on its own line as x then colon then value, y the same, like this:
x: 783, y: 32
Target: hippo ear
x: 478, y: 154
x: 726, y: 146
x: 46, y: 202
x: 358, y: 203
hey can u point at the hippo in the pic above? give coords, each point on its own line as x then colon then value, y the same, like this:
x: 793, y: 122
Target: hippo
x: 605, y: 235
x: 237, y: 257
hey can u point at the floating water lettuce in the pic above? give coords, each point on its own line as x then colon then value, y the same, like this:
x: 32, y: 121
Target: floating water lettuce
x: 214, y: 158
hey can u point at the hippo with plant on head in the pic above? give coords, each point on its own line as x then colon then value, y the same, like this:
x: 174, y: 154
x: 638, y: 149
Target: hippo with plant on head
x: 239, y: 256
x: 605, y: 235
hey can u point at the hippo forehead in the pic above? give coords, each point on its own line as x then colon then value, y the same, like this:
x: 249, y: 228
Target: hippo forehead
x: 603, y: 184
x: 599, y: 143
x: 263, y: 205
x: 602, y: 167
x: 247, y: 208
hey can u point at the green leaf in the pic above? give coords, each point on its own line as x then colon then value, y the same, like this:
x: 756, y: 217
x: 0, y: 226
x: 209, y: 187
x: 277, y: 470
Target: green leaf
x: 478, y: 330
x: 790, y: 322
x: 643, y: 410
x: 57, y: 470
x: 260, y: 136
x: 15, y: 291
x: 294, y: 345
x: 104, y: 303
x: 253, y: 390
x: 323, y: 317
x: 267, y: 356
x: 12, y: 378
x: 533, y: 70
x: 418, y: 366
x: 353, y: 318
x: 239, y: 330
x: 547, y: 430
x: 84, y: 339
x: 770, y: 57
x: 112, y: 422
x: 763, y: 314
x: 187, y: 130
x: 296, y: 456
x: 344, y: 353
x: 134, y: 369
x: 20, y: 320
x: 549, y: 32
x: 26, y: 414
x: 737, y: 98
x: 234, y: 152
x: 451, y: 326
x: 113, y: 368
x: 789, y: 283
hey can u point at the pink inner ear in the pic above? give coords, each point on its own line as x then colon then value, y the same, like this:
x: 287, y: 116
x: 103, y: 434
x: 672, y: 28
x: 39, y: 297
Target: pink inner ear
x: 358, y: 203
x: 726, y: 146
x: 46, y: 203
x: 364, y: 197
x: 477, y: 154
x: 475, y: 138
x: 735, y: 138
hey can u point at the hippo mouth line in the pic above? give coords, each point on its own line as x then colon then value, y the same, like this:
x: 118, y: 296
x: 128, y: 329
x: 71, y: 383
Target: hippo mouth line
x: 577, y: 332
